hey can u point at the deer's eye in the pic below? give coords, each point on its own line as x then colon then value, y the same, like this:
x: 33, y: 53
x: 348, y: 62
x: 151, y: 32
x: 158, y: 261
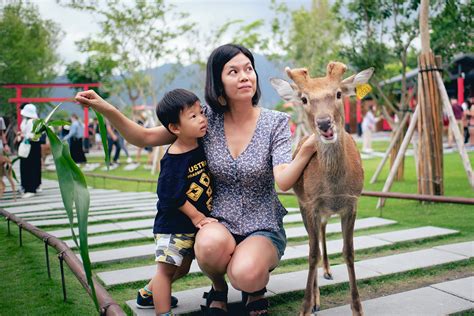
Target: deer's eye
x: 304, y: 100
x: 338, y: 94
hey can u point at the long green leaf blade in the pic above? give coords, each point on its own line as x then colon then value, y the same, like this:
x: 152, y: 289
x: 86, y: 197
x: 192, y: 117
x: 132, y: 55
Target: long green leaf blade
x: 73, y: 188
x: 103, y: 136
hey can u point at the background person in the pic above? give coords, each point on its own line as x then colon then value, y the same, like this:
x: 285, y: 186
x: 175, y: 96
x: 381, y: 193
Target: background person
x: 30, y: 167
x: 75, y: 139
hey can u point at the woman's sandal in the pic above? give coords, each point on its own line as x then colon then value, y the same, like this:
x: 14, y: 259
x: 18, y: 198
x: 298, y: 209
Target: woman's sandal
x: 258, y: 307
x: 213, y: 296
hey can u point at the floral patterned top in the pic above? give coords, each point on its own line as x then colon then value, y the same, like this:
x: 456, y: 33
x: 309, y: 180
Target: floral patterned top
x: 244, y: 197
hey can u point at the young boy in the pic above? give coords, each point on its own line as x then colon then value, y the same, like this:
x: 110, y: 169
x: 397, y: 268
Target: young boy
x: 184, y: 197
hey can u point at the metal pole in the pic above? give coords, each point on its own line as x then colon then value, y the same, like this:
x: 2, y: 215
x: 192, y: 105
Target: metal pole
x: 8, y: 224
x: 21, y: 241
x: 47, y: 256
x: 63, y: 281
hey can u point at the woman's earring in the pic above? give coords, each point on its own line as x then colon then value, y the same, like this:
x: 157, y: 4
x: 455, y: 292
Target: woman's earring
x: 222, y: 100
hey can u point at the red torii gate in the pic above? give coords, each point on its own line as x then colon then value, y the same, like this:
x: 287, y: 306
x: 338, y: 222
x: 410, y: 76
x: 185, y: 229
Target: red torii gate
x: 19, y: 99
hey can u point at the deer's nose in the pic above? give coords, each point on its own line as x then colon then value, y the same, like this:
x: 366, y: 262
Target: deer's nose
x: 324, y: 124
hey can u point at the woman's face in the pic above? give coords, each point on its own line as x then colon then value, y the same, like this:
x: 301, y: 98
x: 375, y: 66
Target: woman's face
x: 239, y: 79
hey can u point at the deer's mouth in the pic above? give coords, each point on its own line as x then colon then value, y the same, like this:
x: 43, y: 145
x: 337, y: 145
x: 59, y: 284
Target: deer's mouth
x: 328, y: 136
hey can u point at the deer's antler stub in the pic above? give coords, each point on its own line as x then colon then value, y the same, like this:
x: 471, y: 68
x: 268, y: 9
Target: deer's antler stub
x: 335, y: 70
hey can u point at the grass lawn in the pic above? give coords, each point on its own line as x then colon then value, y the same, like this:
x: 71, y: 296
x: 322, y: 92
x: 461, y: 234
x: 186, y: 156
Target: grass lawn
x: 29, y: 290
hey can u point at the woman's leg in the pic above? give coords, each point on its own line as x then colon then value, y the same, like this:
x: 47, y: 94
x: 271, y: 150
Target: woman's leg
x: 250, y: 265
x: 213, y: 248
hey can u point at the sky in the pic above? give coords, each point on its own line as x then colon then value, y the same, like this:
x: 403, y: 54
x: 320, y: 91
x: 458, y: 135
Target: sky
x: 208, y: 14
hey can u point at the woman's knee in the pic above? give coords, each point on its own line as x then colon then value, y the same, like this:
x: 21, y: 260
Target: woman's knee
x: 213, y: 241
x: 248, y: 274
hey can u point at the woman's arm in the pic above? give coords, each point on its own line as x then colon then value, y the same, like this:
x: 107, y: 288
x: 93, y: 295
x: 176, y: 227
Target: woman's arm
x: 131, y: 131
x: 286, y: 175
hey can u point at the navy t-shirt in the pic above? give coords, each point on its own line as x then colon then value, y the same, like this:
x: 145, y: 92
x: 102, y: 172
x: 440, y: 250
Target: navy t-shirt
x: 183, y: 177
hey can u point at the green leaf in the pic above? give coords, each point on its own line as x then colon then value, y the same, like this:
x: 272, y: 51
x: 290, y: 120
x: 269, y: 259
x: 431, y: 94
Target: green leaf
x: 103, y: 136
x: 59, y: 123
x: 75, y: 196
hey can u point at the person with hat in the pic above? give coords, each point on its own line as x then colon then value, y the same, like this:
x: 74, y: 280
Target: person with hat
x: 30, y: 166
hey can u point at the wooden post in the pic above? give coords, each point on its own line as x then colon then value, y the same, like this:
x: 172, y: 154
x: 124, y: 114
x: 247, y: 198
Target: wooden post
x: 400, y: 156
x: 454, y: 127
x: 394, y: 140
x: 430, y: 149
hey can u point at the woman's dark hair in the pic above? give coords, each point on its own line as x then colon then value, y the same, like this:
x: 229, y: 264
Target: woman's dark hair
x: 173, y: 102
x: 215, y: 64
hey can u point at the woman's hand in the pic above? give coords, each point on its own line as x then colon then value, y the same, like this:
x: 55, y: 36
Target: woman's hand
x: 91, y: 99
x: 308, y: 148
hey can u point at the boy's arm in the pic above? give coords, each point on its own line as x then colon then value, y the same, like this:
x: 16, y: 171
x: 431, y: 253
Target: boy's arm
x: 131, y: 131
x: 198, y: 218
x: 286, y: 175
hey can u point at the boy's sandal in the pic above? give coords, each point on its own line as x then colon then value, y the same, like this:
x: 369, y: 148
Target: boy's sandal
x: 213, y: 296
x: 258, y: 307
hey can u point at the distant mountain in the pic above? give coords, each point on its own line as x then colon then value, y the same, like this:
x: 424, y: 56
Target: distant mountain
x: 188, y: 78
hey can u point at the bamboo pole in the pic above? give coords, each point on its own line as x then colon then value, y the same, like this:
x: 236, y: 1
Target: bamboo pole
x: 454, y: 127
x: 390, y: 147
x: 400, y: 155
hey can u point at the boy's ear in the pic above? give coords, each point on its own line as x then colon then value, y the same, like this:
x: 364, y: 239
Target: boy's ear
x: 174, y: 128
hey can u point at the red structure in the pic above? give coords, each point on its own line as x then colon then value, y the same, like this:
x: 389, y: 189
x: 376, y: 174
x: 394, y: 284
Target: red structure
x: 19, y: 99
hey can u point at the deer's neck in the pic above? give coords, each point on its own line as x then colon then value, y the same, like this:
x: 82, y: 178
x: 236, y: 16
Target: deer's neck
x: 332, y: 157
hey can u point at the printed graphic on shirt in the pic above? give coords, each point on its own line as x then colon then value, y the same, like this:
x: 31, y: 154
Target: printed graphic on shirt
x: 205, y: 180
x: 209, y: 191
x: 196, y: 169
x: 194, y: 192
x: 209, y: 204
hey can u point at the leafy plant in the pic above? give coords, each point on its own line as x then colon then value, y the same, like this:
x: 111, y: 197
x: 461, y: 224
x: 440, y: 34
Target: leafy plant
x: 72, y: 185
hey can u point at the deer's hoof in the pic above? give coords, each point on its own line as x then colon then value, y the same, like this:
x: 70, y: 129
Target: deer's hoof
x: 327, y: 276
x: 315, y: 309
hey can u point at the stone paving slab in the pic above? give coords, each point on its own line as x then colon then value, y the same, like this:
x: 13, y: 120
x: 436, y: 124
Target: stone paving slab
x: 287, y: 282
x: 464, y: 248
x: 292, y: 252
x: 463, y: 288
x: 104, y: 239
x: 91, y: 219
x: 413, y: 234
x: 362, y: 223
x: 122, y: 254
x: 92, y: 212
x: 48, y: 198
x: 409, y: 261
x: 102, y: 228
x: 112, y: 200
x: 424, y: 301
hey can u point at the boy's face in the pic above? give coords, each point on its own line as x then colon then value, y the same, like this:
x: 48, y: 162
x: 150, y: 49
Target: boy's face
x: 192, y: 122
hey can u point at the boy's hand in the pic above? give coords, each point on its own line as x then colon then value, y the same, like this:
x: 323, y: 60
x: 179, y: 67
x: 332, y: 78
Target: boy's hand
x: 204, y: 221
x: 90, y: 98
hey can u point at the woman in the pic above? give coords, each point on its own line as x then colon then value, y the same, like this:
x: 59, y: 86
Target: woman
x: 30, y: 167
x: 248, y: 149
x: 74, y: 137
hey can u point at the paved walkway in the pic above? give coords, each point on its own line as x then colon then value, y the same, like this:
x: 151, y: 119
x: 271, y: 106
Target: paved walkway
x: 438, y: 299
x: 121, y: 276
x: 190, y: 300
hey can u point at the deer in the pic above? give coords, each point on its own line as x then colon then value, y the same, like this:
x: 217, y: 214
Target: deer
x: 6, y: 169
x: 333, y: 179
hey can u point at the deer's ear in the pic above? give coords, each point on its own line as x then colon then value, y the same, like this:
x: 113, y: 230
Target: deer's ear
x: 287, y: 91
x: 348, y: 85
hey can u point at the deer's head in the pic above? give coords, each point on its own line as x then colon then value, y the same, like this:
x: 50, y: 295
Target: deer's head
x: 321, y: 97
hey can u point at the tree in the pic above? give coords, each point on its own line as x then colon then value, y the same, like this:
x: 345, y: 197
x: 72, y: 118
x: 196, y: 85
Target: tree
x: 28, y: 53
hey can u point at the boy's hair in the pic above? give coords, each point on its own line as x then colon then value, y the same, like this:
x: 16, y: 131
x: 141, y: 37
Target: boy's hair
x: 171, y: 105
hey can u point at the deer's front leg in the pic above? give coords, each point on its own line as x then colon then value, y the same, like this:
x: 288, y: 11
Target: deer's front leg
x: 311, y: 301
x: 326, y: 268
x: 347, y: 223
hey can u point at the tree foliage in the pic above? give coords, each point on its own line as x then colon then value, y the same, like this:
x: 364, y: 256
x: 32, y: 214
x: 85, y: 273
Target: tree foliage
x: 28, y: 53
x: 135, y: 36
x: 453, y: 29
